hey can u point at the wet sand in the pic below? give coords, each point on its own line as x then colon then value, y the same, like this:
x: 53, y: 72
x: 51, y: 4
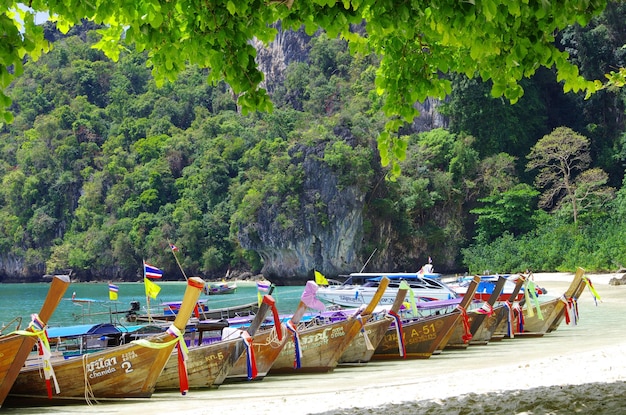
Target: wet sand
x: 575, y: 369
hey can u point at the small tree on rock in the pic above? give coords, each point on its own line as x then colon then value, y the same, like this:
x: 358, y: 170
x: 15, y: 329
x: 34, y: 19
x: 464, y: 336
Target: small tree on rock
x: 562, y: 158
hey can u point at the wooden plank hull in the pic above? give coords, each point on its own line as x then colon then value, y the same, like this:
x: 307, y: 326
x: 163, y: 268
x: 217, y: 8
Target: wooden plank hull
x: 477, y: 318
x: 205, y: 365
x: 553, y: 312
x: 321, y: 346
x: 458, y: 331
x: 267, y: 348
x: 486, y: 331
x: 126, y: 371
x: 421, y: 337
x: 15, y: 348
x: 357, y: 351
x: 209, y: 364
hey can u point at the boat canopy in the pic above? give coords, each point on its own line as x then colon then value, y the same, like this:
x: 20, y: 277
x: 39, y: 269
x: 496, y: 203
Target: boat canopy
x: 103, y: 329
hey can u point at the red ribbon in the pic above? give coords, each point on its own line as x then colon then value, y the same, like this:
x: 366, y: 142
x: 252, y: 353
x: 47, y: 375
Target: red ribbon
x: 467, y: 336
x: 269, y: 300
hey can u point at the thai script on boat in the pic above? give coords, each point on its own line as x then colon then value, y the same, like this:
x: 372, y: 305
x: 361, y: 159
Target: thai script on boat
x: 106, y: 365
x: 316, y: 340
x: 101, y: 367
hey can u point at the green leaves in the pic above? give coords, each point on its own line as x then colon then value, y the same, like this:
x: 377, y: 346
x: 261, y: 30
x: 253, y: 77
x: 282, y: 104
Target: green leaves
x: 420, y: 44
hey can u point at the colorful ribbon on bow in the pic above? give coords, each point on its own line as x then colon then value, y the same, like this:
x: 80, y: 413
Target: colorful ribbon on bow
x: 571, y: 309
x: 398, y: 324
x: 592, y: 289
x: 297, y: 363
x: 182, y: 352
x: 531, y: 299
x: 37, y: 328
x: 486, y: 308
x: 250, y: 360
x: 517, y: 309
x: 267, y: 299
x: 510, y: 319
x: 467, y: 335
x: 309, y: 296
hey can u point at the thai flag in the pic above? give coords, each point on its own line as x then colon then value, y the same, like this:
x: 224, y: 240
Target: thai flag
x: 263, y: 286
x: 173, y: 247
x: 151, y: 271
x: 113, y: 288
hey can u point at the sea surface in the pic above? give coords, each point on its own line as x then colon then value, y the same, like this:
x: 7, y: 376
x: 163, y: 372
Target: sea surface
x: 21, y: 300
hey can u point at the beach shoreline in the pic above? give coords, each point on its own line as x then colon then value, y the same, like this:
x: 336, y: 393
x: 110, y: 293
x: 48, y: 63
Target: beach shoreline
x: 577, y: 368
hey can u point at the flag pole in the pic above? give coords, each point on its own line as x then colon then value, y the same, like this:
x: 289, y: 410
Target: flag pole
x: 176, y: 258
x: 143, y: 265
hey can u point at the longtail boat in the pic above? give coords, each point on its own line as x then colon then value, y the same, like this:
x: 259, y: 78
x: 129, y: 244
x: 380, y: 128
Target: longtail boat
x: 476, y: 318
x: 421, y: 337
x: 126, y: 371
x: 317, y: 347
x: 364, y: 345
x: 570, y: 309
x: 267, y: 345
x: 209, y: 364
x: 537, y: 322
x: 534, y: 319
x: 15, y: 347
x: 501, y: 312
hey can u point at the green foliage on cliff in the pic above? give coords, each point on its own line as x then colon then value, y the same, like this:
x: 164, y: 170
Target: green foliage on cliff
x: 101, y: 167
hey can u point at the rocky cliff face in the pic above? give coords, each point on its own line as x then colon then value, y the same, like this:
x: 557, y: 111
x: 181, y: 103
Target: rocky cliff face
x: 336, y: 245
x: 326, y: 233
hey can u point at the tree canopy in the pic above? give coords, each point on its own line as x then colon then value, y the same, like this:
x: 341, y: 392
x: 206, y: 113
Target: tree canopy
x: 419, y: 43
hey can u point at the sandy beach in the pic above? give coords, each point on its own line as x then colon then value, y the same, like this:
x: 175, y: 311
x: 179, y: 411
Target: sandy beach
x: 575, y: 369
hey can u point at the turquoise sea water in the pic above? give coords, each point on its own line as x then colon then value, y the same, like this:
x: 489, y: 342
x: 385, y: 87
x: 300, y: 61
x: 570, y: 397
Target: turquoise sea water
x: 24, y: 299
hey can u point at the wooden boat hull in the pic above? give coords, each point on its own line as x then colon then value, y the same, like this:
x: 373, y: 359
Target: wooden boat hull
x: 267, y: 348
x: 486, y: 332
x: 477, y: 318
x: 127, y: 371
x: 207, y: 365
x: 357, y: 351
x: 15, y: 348
x: 321, y: 346
x: 422, y: 337
x: 552, y: 311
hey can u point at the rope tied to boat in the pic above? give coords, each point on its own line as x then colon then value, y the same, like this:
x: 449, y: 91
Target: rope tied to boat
x: 272, y: 339
x: 182, y: 352
x: 90, y: 397
x: 250, y: 360
x: 398, y: 326
x: 297, y: 361
x: 37, y: 328
x: 467, y: 335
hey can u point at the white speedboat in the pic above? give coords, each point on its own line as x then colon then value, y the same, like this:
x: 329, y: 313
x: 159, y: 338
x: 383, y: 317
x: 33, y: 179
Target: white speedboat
x: 359, y: 288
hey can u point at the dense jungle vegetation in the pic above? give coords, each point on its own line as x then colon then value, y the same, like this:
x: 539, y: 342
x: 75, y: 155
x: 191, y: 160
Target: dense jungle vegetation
x: 100, y: 167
